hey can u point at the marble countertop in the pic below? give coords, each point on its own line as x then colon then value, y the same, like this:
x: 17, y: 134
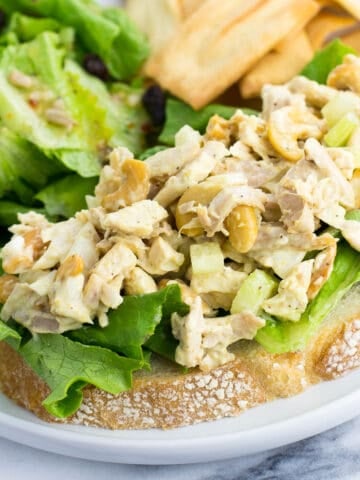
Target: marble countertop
x: 333, y: 455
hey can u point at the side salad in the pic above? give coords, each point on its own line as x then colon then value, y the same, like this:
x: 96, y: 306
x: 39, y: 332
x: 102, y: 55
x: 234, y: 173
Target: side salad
x: 63, y: 101
x: 144, y: 266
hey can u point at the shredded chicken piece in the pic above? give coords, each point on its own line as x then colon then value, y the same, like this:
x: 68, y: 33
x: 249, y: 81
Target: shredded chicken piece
x: 161, y: 258
x: 32, y: 310
x: 275, y: 97
x: 315, y: 94
x: 138, y: 282
x: 169, y: 162
x: 60, y: 237
x: 344, y: 160
x: 204, y: 342
x: 291, y: 299
x: 319, y: 155
x: 252, y: 132
x: 192, y: 173
x: 106, y: 278
x: 322, y: 268
x: 212, y: 218
x: 66, y: 295
x: 140, y: 218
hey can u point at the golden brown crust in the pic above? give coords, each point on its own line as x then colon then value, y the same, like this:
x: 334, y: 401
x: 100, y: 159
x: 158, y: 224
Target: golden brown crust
x: 166, y: 398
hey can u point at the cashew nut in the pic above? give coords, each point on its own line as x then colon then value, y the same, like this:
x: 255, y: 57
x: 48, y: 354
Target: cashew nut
x: 347, y: 75
x: 200, y: 194
x: 219, y: 129
x: 243, y: 226
x: 290, y: 124
x: 131, y: 186
x: 72, y: 266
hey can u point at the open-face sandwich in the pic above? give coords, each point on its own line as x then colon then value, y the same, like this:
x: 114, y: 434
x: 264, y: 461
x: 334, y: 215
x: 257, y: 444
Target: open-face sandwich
x: 223, y: 271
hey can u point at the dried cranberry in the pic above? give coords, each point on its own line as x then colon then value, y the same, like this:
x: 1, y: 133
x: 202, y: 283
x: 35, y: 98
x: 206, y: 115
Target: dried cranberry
x: 95, y: 66
x: 154, y: 101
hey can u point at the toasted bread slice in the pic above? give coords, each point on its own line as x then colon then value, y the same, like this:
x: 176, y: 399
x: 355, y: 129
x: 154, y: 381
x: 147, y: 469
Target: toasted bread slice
x: 167, y: 398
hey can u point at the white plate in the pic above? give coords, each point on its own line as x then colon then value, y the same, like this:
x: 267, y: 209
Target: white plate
x: 262, y: 428
x: 271, y: 425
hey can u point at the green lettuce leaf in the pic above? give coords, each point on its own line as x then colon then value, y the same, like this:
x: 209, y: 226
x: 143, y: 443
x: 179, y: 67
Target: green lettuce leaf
x: 179, y: 114
x: 43, y: 59
x: 23, y: 168
x: 67, y: 367
x: 101, y: 120
x: 129, y: 118
x: 9, y: 212
x: 326, y: 60
x: 281, y: 337
x: 7, y: 333
x: 66, y: 196
x: 27, y: 28
x: 135, y: 323
x: 108, y: 32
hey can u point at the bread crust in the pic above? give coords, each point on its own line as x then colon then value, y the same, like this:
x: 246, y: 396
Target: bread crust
x: 167, y: 398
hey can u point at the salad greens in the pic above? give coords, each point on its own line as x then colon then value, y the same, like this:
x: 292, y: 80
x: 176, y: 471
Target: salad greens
x: 23, y: 167
x: 59, y: 127
x: 135, y: 322
x: 66, y: 196
x: 9, y: 213
x: 179, y: 113
x: 281, y: 337
x: 67, y: 365
x: 107, y: 32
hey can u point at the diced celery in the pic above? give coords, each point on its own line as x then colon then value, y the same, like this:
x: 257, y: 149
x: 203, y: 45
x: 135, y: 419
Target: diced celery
x: 340, y: 105
x: 255, y: 289
x: 353, y: 215
x: 206, y: 258
x: 340, y: 133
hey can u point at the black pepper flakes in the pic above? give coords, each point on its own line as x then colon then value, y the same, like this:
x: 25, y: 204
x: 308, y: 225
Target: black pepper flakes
x: 95, y: 66
x: 154, y: 101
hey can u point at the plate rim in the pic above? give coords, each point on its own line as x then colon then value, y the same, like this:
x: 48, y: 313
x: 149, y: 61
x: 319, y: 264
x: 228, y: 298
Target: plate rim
x: 159, y: 451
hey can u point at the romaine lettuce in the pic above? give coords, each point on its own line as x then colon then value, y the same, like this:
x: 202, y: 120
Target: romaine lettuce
x: 26, y: 28
x: 280, y: 337
x: 68, y: 366
x: 66, y: 196
x: 108, y: 32
x: 90, y: 355
x: 135, y: 322
x: 9, y: 212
